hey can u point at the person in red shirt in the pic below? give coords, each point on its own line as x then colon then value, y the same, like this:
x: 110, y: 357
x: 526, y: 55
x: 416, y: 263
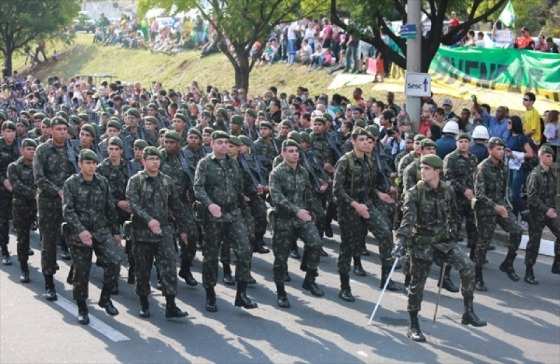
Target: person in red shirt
x: 425, y: 120
x: 524, y: 41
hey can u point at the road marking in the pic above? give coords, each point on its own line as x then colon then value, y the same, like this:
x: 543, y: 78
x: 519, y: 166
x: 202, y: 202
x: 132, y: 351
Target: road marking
x: 94, y: 323
x: 362, y: 353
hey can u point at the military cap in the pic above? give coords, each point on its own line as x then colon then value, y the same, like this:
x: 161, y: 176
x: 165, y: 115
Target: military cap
x: 152, y: 105
x: 114, y: 124
x: 463, y: 136
x: 432, y: 160
x: 219, y: 134
x: 361, y: 123
x: 286, y: 123
x: 409, y: 137
x: 150, y: 151
x: 58, y: 120
x: 133, y: 111
x: 328, y: 117
x: 39, y: 115
x: 208, y: 130
x: 305, y: 138
x: 373, y: 130
x: 28, y: 142
x: 23, y: 122
x: 84, y: 116
x: 294, y: 135
x: 237, y: 120
x: 8, y: 125
x: 245, y: 140
x: 88, y: 155
x: 251, y: 112
x: 427, y: 143
x: 261, y: 114
x: 357, y: 131
x: 173, y: 135
x: 104, y: 113
x: 140, y: 144
x: 319, y: 119
x: 150, y: 119
x: 235, y: 140
x: 162, y: 131
x: 266, y: 124
x: 115, y: 140
x: 496, y: 141
x: 63, y: 114
x: 74, y: 119
x: 116, y: 118
x: 419, y: 137
x: 181, y: 117
x: 195, y: 131
x: 545, y: 148
x: 24, y: 112
x: 89, y: 128
x: 289, y: 143
x: 47, y: 122
x: 3, y: 115
x: 221, y: 111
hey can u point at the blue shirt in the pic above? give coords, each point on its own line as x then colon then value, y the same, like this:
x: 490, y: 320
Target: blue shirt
x: 445, y: 145
x: 480, y: 151
x: 498, y: 128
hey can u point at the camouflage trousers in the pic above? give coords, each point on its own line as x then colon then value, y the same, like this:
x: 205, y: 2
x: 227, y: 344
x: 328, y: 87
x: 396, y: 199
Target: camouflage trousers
x: 50, y: 219
x: 285, y: 231
x: 464, y: 211
x: 353, y: 230
x: 249, y: 221
x: 24, y: 213
x: 420, y: 269
x: 230, y: 228
x: 165, y: 256
x: 107, y: 253
x: 257, y: 207
x: 486, y: 224
x: 188, y: 249
x: 5, y: 217
x: 536, y: 225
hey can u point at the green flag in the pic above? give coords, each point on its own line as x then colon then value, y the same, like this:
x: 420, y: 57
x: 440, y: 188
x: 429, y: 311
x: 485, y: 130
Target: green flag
x: 507, y: 16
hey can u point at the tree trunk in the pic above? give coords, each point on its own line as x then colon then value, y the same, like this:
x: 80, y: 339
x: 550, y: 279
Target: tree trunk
x: 7, y: 71
x: 242, y: 71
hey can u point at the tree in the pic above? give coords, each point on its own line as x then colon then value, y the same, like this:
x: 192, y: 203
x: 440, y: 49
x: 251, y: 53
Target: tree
x: 239, y: 24
x: 369, y: 20
x: 24, y: 22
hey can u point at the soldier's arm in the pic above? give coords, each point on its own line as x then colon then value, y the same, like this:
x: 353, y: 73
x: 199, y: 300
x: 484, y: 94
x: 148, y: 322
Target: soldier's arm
x: 339, y: 179
x: 533, y: 199
x: 279, y: 200
x: 18, y: 186
x: 180, y: 212
x: 200, y: 183
x: 408, y: 177
x: 69, y: 212
x: 111, y: 209
x: 41, y: 180
x: 449, y: 174
x: 133, y: 192
x: 454, y: 217
x: 480, y: 188
x: 410, y: 214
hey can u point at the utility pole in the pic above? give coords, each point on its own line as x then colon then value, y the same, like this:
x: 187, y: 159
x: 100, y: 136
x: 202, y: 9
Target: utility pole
x: 414, y: 56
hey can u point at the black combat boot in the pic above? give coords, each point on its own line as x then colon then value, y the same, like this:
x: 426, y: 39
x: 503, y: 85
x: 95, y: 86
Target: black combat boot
x: 385, y: 270
x: 171, y: 309
x: 323, y: 252
x: 241, y: 299
x: 131, y: 277
x: 260, y: 248
x: 294, y: 251
x: 6, y: 255
x: 479, y: 280
x: 228, y: 279
x: 530, y: 276
x: 50, y: 291
x: 106, y: 303
x: 64, y: 254
x: 287, y: 277
x: 328, y: 231
x: 310, y: 285
x: 70, y: 277
x: 24, y: 277
x: 211, y: 300
x: 556, y: 264
x: 345, y: 293
x: 447, y: 282
x: 144, y: 307
x: 507, y: 266
x: 185, y: 273
x: 469, y: 317
x: 407, y: 279
x: 414, y: 331
x: 282, y: 296
x: 358, y: 269
x: 83, y: 317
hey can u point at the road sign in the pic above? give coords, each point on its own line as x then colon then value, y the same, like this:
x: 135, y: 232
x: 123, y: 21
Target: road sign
x: 408, y: 31
x: 418, y: 84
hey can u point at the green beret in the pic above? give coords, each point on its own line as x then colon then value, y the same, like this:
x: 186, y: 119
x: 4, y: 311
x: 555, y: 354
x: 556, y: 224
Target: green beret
x: 195, y: 131
x: 116, y: 118
x: 47, y: 122
x: 545, y: 148
x: 305, y: 138
x: 357, y: 131
x: 251, y: 112
x: 151, y: 119
x: 62, y: 114
x: 463, y: 136
x: 58, y: 120
x: 88, y: 155
x: 361, y: 123
x: 245, y: 140
x: 427, y: 143
x: 74, y: 119
x: 208, y: 130
x: 295, y: 136
x: 173, y: 135
x: 3, y: 115
x: 219, y: 134
x: 115, y: 140
x: 114, y: 124
x: 289, y: 143
x: 152, y: 105
x: 84, y: 116
x: 373, y: 130
x: 221, y: 111
x: 319, y: 119
x: 286, y: 123
x: 133, y: 111
x: 162, y: 131
x: 27, y: 142
x: 150, y: 151
x: 181, y: 117
x: 89, y: 128
x: 432, y: 160
x: 39, y: 115
x: 235, y: 140
x: 237, y: 120
x: 8, y: 125
x: 266, y: 124
x: 409, y: 137
x: 496, y: 141
x: 328, y: 117
x: 140, y: 144
x: 419, y: 137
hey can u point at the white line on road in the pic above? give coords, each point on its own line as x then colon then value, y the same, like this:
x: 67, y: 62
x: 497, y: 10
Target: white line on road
x: 94, y: 323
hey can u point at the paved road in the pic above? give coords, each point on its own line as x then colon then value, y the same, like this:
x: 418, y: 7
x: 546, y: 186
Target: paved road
x: 524, y: 322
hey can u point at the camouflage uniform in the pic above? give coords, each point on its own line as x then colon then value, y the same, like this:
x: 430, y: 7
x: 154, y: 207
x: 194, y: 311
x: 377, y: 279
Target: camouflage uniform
x: 8, y: 154
x: 265, y: 151
x: 89, y: 206
x: 254, y: 176
x: 411, y: 175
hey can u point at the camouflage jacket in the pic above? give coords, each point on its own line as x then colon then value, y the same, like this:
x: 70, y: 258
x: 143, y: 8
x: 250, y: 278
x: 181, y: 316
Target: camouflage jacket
x: 265, y: 151
x: 322, y: 148
x: 405, y: 161
x: 8, y: 154
x: 20, y: 175
x: 541, y: 190
x: 289, y: 189
x: 459, y: 171
x: 51, y: 167
x: 490, y: 186
x: 176, y: 167
x: 117, y: 177
x: 134, y: 166
x: 354, y: 180
x: 411, y: 175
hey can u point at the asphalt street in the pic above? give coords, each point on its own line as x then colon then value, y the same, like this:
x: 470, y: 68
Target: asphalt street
x: 523, y: 321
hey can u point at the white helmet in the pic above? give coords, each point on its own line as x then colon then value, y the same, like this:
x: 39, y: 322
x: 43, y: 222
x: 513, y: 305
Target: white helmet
x: 451, y: 127
x: 480, y: 132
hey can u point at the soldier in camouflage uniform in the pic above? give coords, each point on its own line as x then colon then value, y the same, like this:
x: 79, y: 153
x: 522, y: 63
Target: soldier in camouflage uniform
x: 156, y: 211
x: 52, y: 165
x: 290, y: 190
x: 91, y: 226
x: 266, y: 148
x: 218, y: 187
x: 491, y: 208
x: 8, y: 153
x: 541, y: 188
x: 354, y: 189
x: 429, y: 225
x: 24, y: 206
x: 136, y: 164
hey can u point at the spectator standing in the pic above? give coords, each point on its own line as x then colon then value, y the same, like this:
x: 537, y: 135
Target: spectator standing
x: 293, y: 30
x: 524, y: 41
x: 531, y: 119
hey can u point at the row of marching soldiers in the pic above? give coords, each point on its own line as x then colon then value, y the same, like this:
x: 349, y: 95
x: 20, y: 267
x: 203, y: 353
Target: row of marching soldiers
x: 212, y: 194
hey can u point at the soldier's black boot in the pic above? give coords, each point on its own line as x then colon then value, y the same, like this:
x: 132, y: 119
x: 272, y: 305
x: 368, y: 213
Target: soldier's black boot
x: 479, y: 280
x: 171, y: 309
x: 83, y: 313
x: 106, y: 303
x: 211, y: 300
x: 144, y: 307
x: 241, y: 299
x: 24, y: 277
x: 5, y: 255
x: 323, y: 252
x: 385, y: 270
x: 282, y: 296
x: 131, y: 278
x: 469, y: 317
x: 287, y: 277
x: 64, y: 254
x: 407, y: 278
x: 294, y: 251
x: 228, y: 279
x: 115, y: 290
x: 358, y: 269
x: 447, y: 282
x: 507, y: 266
x: 328, y: 230
x: 414, y: 331
x: 345, y: 293
x: 70, y: 277
x: 310, y: 285
x: 185, y: 273
x: 259, y: 247
x: 530, y: 276
x: 472, y: 252
x: 50, y: 292
x: 556, y: 264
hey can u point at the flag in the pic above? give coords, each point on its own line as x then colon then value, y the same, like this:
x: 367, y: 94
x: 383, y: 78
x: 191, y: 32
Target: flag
x: 507, y: 16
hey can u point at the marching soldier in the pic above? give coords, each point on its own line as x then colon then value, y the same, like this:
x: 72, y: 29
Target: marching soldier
x: 265, y: 147
x: 8, y: 153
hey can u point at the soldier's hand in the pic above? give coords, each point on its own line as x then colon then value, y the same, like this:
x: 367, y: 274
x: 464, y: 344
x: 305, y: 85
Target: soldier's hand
x: 304, y: 215
x: 398, y: 250
x: 329, y: 168
x: 86, y: 238
x: 385, y: 197
x: 7, y: 185
x: 361, y: 209
x: 469, y: 194
x: 154, y: 226
x: 183, y: 237
x: 61, y: 195
x: 260, y: 189
x: 124, y: 205
x: 323, y: 187
x: 118, y: 239
x: 501, y: 211
x: 215, y: 210
x: 551, y: 213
